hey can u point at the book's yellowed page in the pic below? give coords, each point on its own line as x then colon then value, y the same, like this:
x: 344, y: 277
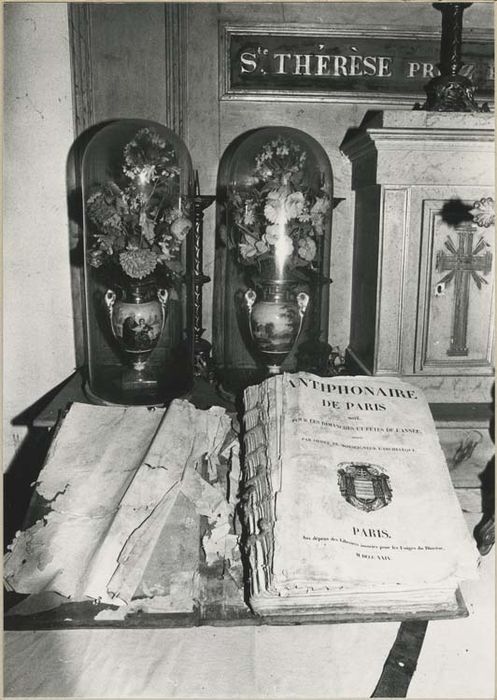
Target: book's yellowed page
x: 85, y: 476
x: 362, y: 496
x: 113, y: 477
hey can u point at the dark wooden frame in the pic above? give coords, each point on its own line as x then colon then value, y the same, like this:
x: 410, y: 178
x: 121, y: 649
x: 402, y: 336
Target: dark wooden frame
x: 228, y: 92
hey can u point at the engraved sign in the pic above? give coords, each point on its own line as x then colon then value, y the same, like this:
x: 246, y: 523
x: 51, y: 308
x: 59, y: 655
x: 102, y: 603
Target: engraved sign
x: 344, y: 63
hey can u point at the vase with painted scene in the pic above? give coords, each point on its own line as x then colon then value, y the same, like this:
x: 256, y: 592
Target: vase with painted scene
x: 137, y: 314
x: 275, y: 314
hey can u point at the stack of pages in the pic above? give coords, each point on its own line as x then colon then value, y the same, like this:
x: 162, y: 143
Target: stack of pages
x: 348, y: 506
x: 123, y: 491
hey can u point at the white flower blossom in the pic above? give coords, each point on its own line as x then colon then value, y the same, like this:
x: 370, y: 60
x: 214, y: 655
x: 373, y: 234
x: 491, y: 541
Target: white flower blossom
x: 307, y: 249
x: 247, y: 250
x: 294, y: 204
x: 181, y: 227
x: 274, y: 211
x: 273, y: 233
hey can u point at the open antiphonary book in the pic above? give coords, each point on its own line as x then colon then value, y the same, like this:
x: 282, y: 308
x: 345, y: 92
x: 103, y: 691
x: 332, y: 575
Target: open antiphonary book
x: 343, y: 508
x: 348, y: 506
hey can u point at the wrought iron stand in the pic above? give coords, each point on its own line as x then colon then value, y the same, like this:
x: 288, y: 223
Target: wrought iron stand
x: 202, y: 362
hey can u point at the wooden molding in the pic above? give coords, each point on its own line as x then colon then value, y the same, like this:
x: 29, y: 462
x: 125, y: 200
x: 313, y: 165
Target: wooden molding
x: 81, y: 66
x: 176, y: 69
x: 83, y: 117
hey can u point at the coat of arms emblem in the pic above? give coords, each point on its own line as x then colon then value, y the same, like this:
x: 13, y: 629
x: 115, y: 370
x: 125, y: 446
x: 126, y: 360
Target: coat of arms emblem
x: 364, y: 486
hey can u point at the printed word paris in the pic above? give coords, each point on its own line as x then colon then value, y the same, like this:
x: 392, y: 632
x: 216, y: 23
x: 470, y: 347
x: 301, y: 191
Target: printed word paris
x: 370, y: 532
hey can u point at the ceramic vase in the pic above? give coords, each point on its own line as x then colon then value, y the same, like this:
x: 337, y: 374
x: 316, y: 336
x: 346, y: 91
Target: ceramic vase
x: 275, y: 312
x: 137, y: 313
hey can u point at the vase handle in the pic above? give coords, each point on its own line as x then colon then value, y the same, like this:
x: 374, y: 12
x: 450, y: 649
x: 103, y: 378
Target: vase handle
x: 163, y: 296
x: 250, y: 298
x: 110, y: 298
x: 302, y: 302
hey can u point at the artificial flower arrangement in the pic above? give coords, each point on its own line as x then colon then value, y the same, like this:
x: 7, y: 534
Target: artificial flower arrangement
x: 139, y: 224
x: 277, y: 211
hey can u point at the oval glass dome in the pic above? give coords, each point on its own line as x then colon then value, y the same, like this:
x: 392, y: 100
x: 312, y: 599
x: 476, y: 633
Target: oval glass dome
x: 271, y: 297
x: 138, y: 214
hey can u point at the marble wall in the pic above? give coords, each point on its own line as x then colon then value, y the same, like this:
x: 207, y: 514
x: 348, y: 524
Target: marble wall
x: 38, y: 346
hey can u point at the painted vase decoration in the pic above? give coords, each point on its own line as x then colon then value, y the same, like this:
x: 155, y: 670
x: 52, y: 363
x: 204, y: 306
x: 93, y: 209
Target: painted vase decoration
x: 275, y: 313
x: 137, y: 314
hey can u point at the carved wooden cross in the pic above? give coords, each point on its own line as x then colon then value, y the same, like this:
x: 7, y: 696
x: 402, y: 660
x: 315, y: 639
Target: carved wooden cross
x: 463, y: 262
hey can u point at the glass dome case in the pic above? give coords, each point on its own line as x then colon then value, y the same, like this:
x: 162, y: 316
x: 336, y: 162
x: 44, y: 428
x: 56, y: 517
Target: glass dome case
x: 138, y: 213
x: 271, y: 299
